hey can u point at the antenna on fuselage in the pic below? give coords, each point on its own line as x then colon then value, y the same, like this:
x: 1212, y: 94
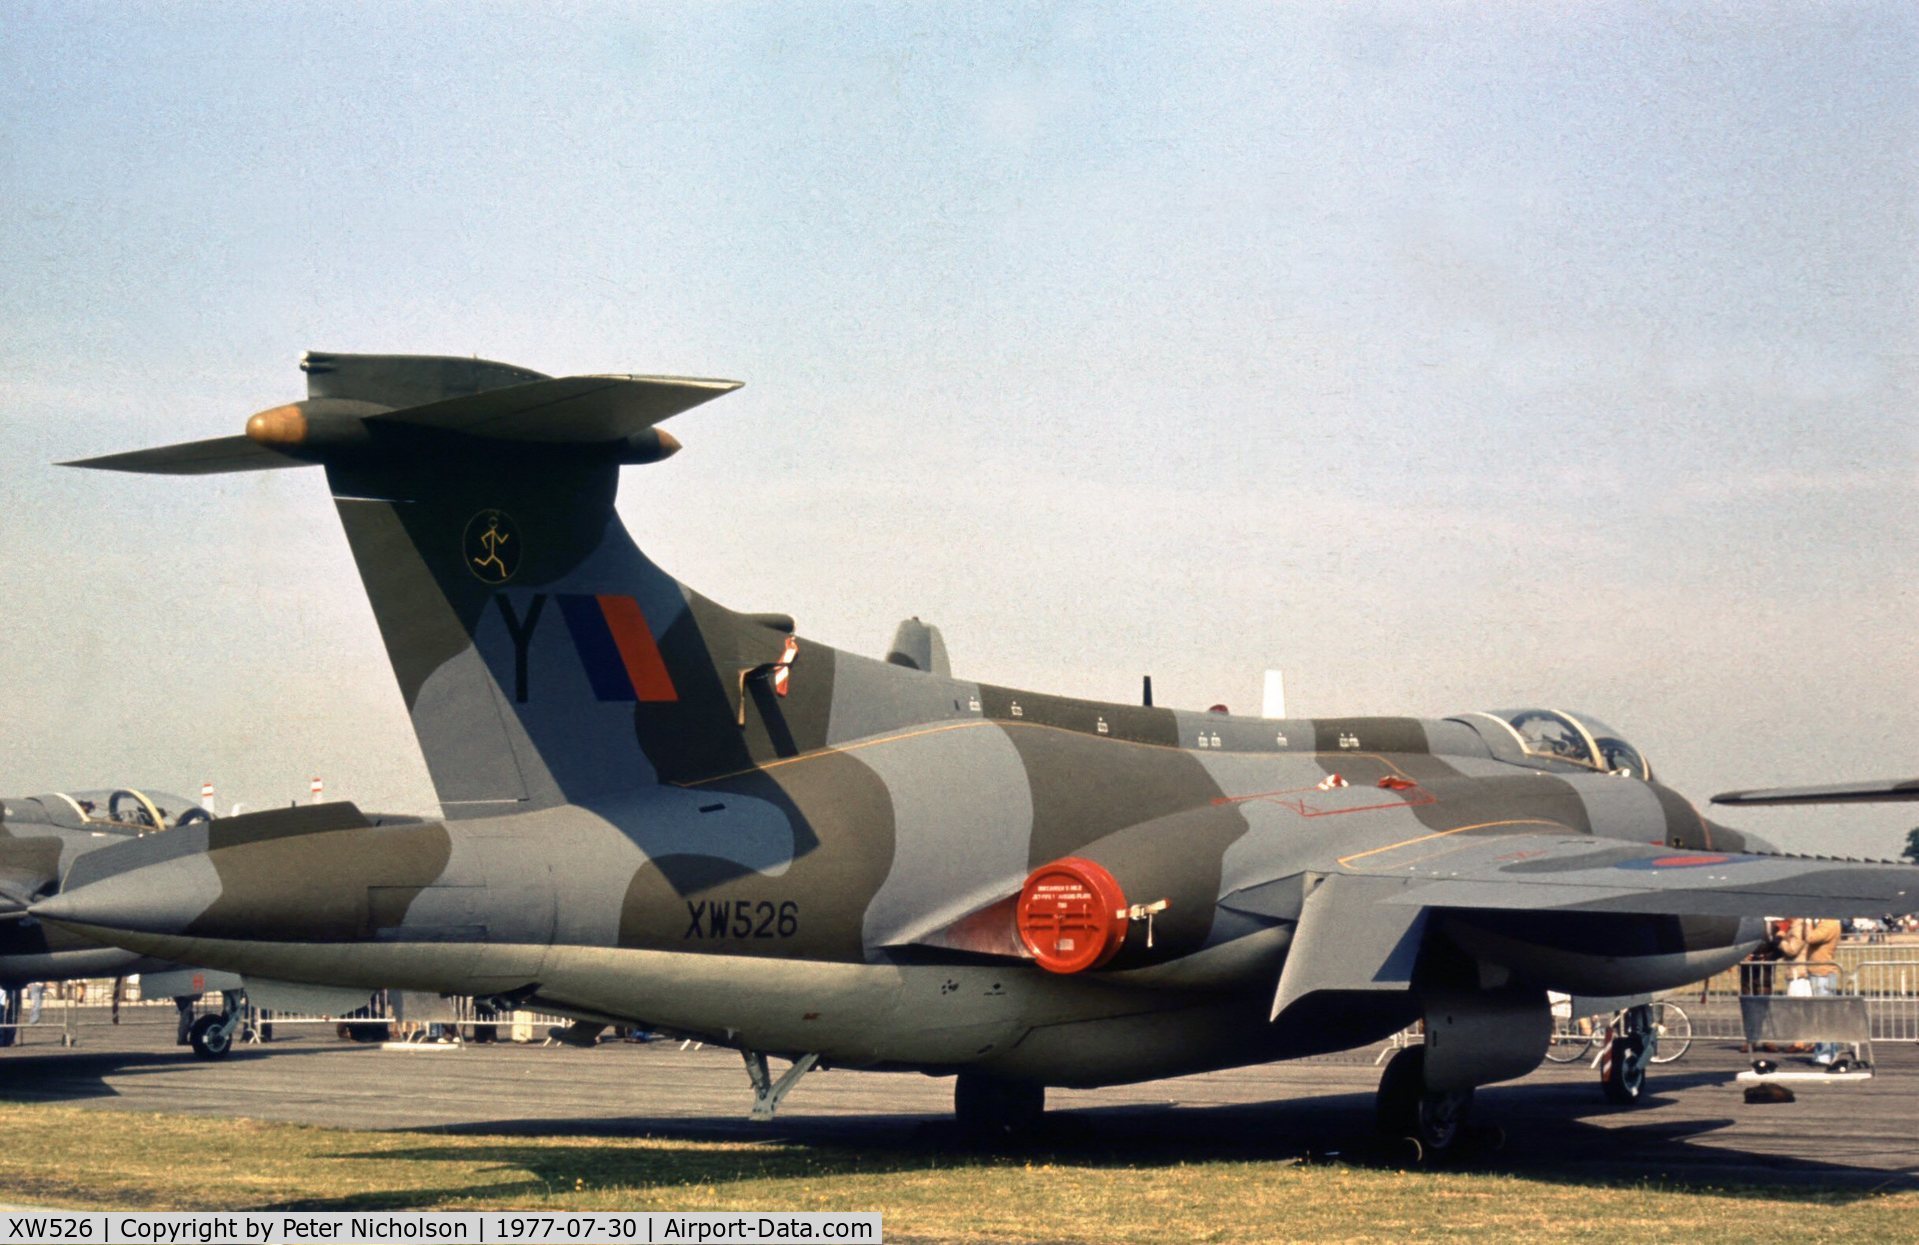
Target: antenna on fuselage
x: 1273, y: 703
x: 1146, y: 690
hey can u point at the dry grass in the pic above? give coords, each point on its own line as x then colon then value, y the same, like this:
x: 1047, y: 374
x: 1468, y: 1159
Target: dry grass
x: 75, y: 1157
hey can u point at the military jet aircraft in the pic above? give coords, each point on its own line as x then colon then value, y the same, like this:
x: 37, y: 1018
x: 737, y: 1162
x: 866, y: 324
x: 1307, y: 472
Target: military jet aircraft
x: 660, y: 811
x: 1882, y: 791
x: 40, y: 838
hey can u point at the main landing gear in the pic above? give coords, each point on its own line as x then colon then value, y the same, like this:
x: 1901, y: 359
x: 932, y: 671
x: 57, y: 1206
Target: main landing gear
x: 1433, y: 1121
x: 992, y: 1110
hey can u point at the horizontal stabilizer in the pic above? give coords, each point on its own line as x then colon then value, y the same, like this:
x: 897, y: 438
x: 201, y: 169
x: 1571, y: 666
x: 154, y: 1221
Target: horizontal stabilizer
x: 195, y: 458
x: 398, y: 380
x: 574, y: 410
x: 374, y: 407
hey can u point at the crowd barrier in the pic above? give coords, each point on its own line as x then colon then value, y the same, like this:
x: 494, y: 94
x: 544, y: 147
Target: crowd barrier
x: 1885, y: 975
x: 68, y: 1010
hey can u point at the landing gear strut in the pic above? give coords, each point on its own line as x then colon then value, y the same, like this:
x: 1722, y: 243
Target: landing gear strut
x: 1433, y: 1120
x: 768, y: 1092
x: 994, y: 1110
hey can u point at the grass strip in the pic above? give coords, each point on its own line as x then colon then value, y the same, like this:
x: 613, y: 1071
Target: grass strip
x: 74, y: 1157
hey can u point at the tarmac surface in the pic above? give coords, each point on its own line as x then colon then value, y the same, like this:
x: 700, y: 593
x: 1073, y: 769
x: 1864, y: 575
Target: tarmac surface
x: 1693, y: 1125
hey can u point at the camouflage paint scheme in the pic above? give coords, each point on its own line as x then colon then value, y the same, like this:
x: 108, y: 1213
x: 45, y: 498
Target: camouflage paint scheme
x: 639, y: 826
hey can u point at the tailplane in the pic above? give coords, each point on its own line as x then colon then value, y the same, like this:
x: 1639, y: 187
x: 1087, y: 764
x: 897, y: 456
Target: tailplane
x: 383, y: 407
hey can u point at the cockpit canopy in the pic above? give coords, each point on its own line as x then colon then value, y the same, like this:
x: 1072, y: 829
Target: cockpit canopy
x: 1553, y: 735
x: 116, y: 808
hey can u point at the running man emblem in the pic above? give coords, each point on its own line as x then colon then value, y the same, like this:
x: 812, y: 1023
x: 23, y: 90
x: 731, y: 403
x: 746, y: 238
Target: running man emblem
x: 492, y: 546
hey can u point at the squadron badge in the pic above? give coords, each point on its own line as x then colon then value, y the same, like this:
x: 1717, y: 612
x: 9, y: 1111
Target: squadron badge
x: 492, y: 546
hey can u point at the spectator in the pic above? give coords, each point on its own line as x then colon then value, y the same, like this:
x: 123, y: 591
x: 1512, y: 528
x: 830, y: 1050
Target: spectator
x: 184, y: 1004
x: 1812, y: 945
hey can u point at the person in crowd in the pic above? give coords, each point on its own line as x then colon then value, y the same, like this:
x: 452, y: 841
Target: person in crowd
x: 183, y: 1003
x: 1811, y: 945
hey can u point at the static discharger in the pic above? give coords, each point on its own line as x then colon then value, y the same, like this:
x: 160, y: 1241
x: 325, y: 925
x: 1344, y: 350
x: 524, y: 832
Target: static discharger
x: 1072, y: 915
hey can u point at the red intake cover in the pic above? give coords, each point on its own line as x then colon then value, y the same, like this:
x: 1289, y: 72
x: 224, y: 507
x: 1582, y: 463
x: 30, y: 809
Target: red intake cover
x: 1071, y: 915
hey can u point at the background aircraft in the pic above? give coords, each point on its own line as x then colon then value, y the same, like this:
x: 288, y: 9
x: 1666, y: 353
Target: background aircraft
x: 40, y: 838
x: 661, y: 811
x: 1884, y: 791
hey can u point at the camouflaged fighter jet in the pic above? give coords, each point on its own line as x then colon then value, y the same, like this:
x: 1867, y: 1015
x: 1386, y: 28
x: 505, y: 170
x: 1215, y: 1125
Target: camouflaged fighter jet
x: 660, y: 811
x: 40, y: 838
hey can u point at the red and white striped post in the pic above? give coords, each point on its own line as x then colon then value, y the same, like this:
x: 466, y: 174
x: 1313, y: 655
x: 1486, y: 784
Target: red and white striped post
x: 206, y: 796
x: 317, y: 787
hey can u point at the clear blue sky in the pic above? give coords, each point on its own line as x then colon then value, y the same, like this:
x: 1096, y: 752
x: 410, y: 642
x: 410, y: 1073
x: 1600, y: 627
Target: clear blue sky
x: 1446, y: 358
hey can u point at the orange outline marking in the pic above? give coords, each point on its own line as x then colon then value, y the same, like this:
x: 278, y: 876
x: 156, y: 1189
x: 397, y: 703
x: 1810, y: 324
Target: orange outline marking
x: 1440, y: 834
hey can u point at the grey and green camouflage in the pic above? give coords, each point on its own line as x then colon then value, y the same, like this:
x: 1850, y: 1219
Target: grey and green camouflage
x: 661, y: 811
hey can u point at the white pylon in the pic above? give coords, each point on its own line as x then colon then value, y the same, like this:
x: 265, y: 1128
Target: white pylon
x: 317, y: 787
x: 206, y: 796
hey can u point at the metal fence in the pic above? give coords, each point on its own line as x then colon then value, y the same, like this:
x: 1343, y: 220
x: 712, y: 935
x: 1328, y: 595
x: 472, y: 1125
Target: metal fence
x: 1885, y: 975
x: 69, y: 1013
x: 61, y: 1010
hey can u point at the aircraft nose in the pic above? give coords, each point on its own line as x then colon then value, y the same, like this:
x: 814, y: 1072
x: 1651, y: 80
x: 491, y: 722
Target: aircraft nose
x: 166, y: 898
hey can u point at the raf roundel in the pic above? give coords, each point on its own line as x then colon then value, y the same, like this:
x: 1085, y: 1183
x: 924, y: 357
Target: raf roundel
x: 492, y: 546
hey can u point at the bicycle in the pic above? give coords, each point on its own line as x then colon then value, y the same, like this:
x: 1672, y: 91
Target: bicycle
x: 1576, y: 1037
x: 1672, y: 1031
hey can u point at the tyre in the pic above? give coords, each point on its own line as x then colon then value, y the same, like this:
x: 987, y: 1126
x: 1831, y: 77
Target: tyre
x: 210, y: 1038
x: 1406, y: 1108
x: 995, y: 1111
x: 1623, y: 1074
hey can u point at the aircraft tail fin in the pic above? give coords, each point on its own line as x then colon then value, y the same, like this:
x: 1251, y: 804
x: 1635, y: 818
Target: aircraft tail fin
x: 544, y: 659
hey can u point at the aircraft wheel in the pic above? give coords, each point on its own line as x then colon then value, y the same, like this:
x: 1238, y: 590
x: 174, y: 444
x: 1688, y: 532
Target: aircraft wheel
x: 1433, y: 1120
x: 209, y: 1037
x: 1623, y: 1073
x: 994, y: 1110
